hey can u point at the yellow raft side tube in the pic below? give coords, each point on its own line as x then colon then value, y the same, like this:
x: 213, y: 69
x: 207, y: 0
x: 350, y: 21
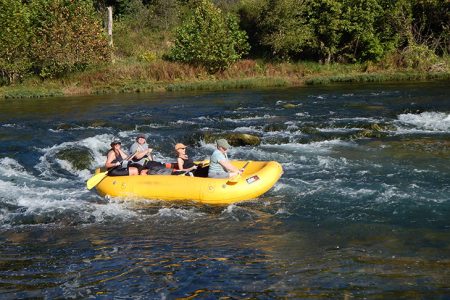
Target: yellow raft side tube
x: 258, y: 178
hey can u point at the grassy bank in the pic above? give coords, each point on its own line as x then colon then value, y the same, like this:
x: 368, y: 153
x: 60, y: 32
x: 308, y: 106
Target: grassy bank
x: 160, y: 76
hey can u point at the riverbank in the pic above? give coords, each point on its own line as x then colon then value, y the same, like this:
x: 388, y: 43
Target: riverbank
x: 162, y: 76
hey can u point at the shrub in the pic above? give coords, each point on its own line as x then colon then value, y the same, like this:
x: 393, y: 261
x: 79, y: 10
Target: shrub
x: 14, y: 36
x: 210, y: 39
x: 418, y: 57
x: 148, y: 56
x: 67, y: 37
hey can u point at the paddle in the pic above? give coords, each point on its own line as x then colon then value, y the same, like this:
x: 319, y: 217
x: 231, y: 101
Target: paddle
x: 97, y: 178
x: 202, y: 163
x: 236, y: 178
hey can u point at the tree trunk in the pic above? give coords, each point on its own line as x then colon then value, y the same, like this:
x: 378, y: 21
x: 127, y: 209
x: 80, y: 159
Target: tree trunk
x: 110, y: 25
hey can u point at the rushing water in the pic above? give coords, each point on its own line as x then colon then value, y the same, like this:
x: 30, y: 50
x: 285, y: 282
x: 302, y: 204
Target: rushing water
x: 362, y: 209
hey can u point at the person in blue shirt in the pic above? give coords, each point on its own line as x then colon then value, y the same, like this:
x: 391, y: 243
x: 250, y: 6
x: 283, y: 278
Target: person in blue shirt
x: 219, y: 165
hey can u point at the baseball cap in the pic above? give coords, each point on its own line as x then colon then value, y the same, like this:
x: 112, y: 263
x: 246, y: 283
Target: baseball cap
x: 115, y: 142
x: 223, y: 143
x: 179, y: 146
x: 141, y: 135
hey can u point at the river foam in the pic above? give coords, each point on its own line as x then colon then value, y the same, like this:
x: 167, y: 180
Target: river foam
x: 425, y: 122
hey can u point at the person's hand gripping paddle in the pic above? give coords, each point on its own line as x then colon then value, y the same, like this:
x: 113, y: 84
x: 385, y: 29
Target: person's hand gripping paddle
x: 97, y: 178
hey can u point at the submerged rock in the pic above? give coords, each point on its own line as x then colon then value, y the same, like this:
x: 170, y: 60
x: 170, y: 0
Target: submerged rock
x: 274, y: 127
x: 65, y: 126
x: 289, y: 105
x: 235, y: 139
x: 97, y: 124
x: 414, y: 148
x: 80, y: 158
x: 365, y: 106
x: 309, y: 130
x: 243, y: 139
x: 276, y: 140
x: 373, y: 130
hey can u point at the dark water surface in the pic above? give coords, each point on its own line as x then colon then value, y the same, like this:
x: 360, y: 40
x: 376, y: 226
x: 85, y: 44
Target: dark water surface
x: 361, y: 211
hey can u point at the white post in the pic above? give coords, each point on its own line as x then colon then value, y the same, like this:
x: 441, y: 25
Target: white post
x: 110, y: 25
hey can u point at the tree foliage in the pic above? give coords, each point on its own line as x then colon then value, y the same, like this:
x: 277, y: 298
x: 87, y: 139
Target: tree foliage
x: 210, y: 39
x: 284, y: 28
x: 67, y: 36
x: 52, y: 37
x: 49, y: 37
x: 14, y: 37
x: 345, y: 30
x: 431, y: 24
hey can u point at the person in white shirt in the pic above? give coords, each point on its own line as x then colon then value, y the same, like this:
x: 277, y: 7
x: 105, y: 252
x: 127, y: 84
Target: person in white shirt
x: 144, y: 158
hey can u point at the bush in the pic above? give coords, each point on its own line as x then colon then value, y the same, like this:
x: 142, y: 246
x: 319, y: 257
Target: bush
x: 14, y: 36
x: 210, y: 39
x: 418, y: 57
x: 67, y: 37
x: 148, y: 56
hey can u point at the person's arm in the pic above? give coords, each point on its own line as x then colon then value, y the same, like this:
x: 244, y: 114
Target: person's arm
x: 226, y: 164
x: 109, y: 158
x: 140, y: 154
x: 180, y: 164
x: 123, y: 154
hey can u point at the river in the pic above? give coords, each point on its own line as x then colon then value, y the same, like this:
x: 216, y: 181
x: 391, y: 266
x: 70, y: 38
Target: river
x: 361, y: 211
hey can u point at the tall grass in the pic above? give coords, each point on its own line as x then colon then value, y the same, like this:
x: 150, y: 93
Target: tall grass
x: 229, y: 84
x: 133, y: 75
x: 29, y: 92
x: 378, y: 77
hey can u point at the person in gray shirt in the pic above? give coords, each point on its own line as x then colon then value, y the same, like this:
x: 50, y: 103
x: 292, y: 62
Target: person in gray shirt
x: 219, y: 165
x: 144, y: 157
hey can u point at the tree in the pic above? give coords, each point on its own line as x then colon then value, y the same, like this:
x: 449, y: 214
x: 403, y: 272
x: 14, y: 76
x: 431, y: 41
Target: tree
x: 284, y: 29
x: 326, y: 30
x: 431, y: 24
x: 14, y: 36
x: 67, y: 36
x: 210, y: 39
x: 360, y: 39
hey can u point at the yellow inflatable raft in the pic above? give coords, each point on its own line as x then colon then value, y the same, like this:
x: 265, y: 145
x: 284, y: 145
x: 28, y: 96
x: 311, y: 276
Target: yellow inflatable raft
x: 258, y: 178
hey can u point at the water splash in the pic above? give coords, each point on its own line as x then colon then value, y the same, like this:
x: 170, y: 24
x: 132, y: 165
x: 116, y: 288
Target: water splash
x: 426, y: 121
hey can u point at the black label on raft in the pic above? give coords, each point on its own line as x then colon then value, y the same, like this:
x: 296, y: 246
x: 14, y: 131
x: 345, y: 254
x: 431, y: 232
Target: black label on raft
x: 252, y: 179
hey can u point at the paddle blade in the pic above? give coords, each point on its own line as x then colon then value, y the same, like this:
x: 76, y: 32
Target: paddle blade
x: 94, y: 180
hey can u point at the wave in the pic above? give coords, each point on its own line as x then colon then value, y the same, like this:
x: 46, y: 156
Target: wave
x: 246, y: 119
x: 324, y: 146
x: 426, y: 121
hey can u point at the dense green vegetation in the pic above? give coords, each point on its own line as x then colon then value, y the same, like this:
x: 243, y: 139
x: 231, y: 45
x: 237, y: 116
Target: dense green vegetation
x: 49, y: 38
x: 61, y: 46
x: 208, y: 38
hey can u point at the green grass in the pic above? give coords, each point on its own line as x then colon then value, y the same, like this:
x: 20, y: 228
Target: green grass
x: 228, y: 84
x: 29, y: 92
x: 134, y: 76
x: 378, y: 77
x: 131, y: 87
